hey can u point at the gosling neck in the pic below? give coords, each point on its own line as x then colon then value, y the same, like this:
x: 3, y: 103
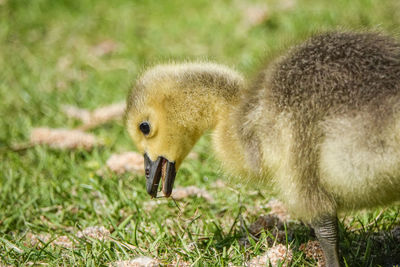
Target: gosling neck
x: 216, y: 91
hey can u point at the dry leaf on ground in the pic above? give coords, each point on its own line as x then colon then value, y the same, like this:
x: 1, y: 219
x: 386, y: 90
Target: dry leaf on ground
x: 280, y: 253
x: 287, y: 4
x: 255, y: 15
x: 179, y: 263
x: 274, y: 255
x: 313, y: 250
x: 104, y: 48
x: 63, y: 138
x: 278, y: 209
x: 193, y: 155
x: 33, y: 239
x: 258, y: 13
x: 107, y: 113
x: 265, y: 222
x: 141, y: 261
x: 41, y: 239
x: 95, y: 232
x: 126, y: 162
x: 81, y: 114
x: 95, y: 117
x: 219, y: 184
x: 146, y: 262
x: 63, y: 241
x: 190, y: 191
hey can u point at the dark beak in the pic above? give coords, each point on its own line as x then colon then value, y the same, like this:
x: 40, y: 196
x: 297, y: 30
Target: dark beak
x: 156, y: 170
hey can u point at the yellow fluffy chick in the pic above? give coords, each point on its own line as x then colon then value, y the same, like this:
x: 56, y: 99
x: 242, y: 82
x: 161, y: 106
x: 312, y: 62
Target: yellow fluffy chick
x: 321, y: 124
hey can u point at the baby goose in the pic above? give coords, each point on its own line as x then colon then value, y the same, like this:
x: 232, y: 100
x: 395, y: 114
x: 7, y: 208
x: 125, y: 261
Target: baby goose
x: 321, y: 124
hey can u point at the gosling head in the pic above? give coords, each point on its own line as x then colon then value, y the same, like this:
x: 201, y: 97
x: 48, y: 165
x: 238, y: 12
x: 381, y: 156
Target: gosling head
x: 168, y: 110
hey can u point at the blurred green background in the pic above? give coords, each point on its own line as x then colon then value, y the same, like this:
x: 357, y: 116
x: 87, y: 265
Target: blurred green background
x: 88, y: 53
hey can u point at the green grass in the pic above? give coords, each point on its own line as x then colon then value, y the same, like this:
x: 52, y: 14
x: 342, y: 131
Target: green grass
x: 46, y: 61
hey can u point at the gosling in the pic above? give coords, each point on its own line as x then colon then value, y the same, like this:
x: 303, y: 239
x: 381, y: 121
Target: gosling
x: 321, y: 124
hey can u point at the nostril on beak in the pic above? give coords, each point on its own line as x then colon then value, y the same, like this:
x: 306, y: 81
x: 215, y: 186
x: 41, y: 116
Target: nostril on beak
x: 147, y: 172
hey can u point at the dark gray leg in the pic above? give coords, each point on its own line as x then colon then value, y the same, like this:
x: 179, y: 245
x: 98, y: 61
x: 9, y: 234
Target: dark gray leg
x: 326, y: 230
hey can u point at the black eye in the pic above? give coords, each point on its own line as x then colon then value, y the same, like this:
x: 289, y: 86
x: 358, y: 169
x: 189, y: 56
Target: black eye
x: 145, y: 127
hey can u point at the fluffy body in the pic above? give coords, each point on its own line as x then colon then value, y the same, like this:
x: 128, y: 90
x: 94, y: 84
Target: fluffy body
x: 321, y: 124
x: 326, y: 116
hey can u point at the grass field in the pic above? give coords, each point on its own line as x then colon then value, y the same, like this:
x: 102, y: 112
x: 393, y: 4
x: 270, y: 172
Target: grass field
x: 87, y: 53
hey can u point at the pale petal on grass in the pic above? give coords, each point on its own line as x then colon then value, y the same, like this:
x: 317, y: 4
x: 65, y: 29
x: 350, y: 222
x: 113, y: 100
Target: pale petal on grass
x: 141, y: 261
x: 278, y: 209
x: 313, y: 250
x: 126, y: 162
x: 95, y: 232
x: 275, y: 255
x: 190, y: 191
x: 63, y: 138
